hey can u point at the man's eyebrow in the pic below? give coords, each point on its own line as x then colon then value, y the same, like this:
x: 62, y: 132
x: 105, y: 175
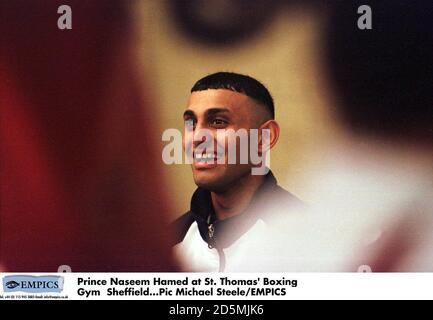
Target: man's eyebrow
x: 189, y: 113
x: 212, y: 111
x: 208, y: 113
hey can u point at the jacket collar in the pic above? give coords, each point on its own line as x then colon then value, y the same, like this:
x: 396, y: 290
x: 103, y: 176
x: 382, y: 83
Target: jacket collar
x: 229, y: 230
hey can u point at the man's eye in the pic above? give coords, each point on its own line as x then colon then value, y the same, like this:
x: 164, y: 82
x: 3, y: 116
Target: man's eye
x: 218, y: 122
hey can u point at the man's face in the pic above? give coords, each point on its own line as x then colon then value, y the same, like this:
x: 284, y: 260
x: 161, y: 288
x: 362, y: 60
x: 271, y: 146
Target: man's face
x: 216, y: 109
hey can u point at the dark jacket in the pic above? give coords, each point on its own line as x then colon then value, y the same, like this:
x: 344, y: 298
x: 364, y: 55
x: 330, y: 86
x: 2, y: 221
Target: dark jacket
x: 221, y: 234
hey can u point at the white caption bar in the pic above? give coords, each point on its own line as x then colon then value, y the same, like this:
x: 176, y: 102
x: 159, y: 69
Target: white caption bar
x: 223, y: 286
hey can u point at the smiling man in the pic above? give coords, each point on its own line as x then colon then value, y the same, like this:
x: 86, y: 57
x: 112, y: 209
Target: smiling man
x: 230, y: 127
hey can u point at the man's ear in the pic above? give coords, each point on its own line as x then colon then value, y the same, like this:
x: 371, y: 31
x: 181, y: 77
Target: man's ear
x: 274, y: 133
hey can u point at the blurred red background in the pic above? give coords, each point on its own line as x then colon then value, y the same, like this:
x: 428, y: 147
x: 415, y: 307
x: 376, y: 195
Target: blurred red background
x: 79, y: 169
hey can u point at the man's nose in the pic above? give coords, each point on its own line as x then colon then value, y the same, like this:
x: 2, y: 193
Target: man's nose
x: 198, y: 138
x: 201, y: 134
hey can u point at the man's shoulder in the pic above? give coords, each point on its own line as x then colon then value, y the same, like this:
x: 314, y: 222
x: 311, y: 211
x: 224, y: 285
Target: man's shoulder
x: 285, y: 197
x: 271, y: 192
x: 180, y: 226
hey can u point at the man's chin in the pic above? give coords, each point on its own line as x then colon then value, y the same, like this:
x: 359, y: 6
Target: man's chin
x: 211, y: 183
x: 208, y: 185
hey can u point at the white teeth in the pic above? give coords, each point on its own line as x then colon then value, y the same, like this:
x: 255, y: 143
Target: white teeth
x: 206, y: 156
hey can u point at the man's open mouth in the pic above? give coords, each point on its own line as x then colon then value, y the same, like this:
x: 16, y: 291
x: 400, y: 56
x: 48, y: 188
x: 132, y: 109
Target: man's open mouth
x: 207, y: 157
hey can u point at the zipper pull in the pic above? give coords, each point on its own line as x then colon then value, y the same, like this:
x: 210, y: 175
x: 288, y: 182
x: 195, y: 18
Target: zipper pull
x: 211, y: 245
x: 210, y: 233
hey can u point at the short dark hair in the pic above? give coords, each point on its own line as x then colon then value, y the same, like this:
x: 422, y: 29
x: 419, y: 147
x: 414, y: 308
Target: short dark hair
x: 239, y: 83
x: 383, y: 76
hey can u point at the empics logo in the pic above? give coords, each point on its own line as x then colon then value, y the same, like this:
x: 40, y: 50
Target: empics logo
x: 33, y: 284
x: 12, y: 284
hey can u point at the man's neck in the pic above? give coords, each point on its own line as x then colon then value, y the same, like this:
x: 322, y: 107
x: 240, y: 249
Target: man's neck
x: 237, y: 198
